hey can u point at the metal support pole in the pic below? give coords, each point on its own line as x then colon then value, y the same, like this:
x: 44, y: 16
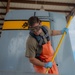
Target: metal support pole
x: 8, y: 6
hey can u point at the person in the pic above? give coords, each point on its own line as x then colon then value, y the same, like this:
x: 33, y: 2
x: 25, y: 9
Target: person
x: 38, y: 46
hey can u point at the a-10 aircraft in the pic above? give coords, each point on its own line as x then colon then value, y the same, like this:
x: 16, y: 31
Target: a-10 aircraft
x: 13, y: 43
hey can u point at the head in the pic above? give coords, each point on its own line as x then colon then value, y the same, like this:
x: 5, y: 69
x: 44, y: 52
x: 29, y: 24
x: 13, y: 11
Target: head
x: 35, y: 25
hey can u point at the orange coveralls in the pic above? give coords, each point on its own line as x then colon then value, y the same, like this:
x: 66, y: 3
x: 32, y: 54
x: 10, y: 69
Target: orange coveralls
x: 46, y: 56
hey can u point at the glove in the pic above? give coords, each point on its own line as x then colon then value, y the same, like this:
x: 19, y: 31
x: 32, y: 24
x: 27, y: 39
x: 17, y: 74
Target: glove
x: 48, y: 65
x: 64, y: 30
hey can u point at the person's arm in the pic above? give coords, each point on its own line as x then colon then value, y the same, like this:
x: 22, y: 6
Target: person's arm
x: 55, y: 32
x: 39, y: 63
x: 59, y: 32
x: 36, y: 62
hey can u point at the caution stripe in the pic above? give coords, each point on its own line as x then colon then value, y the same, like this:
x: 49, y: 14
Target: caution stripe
x: 11, y: 25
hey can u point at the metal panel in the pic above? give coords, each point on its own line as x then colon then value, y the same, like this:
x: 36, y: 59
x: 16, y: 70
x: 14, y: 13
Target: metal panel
x: 12, y: 51
x: 19, y: 15
x: 12, y: 47
x: 65, y: 59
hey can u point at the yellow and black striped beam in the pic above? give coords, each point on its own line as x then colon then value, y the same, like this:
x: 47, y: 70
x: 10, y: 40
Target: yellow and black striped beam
x: 20, y: 25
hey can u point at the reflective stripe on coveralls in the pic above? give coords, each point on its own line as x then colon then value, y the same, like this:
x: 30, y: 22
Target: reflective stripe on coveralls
x: 46, y: 56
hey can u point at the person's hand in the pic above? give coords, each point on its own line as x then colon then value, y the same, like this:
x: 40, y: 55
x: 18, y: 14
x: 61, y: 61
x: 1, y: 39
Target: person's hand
x: 48, y: 65
x: 64, y: 30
